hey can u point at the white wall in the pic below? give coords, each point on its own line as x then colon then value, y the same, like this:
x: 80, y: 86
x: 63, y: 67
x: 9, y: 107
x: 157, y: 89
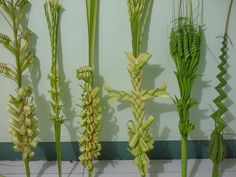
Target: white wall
x: 114, y: 40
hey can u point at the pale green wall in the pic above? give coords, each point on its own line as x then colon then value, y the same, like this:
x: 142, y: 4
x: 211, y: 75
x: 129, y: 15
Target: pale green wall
x: 114, y: 40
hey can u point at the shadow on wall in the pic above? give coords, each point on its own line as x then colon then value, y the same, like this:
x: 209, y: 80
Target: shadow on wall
x: 109, y: 121
x: 67, y: 109
x: 228, y: 118
x: 150, y: 74
x: 197, y: 114
x: 42, y: 105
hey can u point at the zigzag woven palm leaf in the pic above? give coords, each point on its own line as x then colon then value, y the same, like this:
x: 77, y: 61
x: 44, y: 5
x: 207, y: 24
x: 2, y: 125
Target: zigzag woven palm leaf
x: 217, y: 146
x: 52, y: 13
x: 140, y: 139
x: 23, y: 124
x: 91, y: 111
x: 185, y: 44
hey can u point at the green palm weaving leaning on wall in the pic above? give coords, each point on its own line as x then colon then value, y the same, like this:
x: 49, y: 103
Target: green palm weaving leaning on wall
x: 140, y: 139
x: 217, y: 150
x: 91, y: 111
x: 185, y: 45
x: 53, y: 10
x: 23, y: 125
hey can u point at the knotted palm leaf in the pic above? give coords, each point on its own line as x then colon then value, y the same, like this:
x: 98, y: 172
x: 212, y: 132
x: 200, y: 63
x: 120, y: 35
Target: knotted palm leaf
x: 91, y: 111
x: 23, y: 124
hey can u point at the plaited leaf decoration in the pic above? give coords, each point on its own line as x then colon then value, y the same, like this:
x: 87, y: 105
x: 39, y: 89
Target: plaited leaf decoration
x: 140, y: 138
x: 217, y: 149
x: 91, y: 111
x: 90, y: 120
x: 185, y: 45
x: 53, y: 9
x: 23, y: 124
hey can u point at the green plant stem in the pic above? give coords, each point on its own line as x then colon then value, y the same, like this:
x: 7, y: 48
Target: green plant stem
x: 19, y: 73
x: 91, y: 6
x: 184, y: 155
x: 90, y: 173
x: 215, y: 171
x: 18, y: 68
x: 145, y: 20
x: 228, y: 16
x: 17, y: 47
x: 135, y: 42
x: 52, y: 12
x: 57, y: 128
x: 27, y: 167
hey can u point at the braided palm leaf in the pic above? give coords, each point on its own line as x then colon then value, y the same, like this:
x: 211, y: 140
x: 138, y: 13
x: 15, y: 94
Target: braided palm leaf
x: 217, y: 149
x: 53, y: 10
x: 185, y: 45
x: 140, y: 139
x: 90, y: 119
x: 91, y: 111
x: 23, y: 124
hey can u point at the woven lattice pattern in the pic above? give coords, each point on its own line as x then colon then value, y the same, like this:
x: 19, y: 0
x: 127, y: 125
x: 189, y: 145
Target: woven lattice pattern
x: 23, y: 125
x: 140, y: 139
x: 90, y: 119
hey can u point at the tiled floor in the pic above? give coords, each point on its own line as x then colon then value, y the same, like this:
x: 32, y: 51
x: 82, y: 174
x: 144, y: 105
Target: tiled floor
x: 157, y: 168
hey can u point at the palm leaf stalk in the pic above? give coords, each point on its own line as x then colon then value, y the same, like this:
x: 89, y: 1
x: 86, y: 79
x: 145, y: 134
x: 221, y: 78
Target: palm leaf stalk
x: 185, y: 44
x: 217, y: 146
x: 140, y: 138
x: 53, y: 10
x: 23, y: 124
x: 91, y: 111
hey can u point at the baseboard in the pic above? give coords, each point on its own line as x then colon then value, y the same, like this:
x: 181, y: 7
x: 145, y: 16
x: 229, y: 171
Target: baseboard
x: 117, y: 150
